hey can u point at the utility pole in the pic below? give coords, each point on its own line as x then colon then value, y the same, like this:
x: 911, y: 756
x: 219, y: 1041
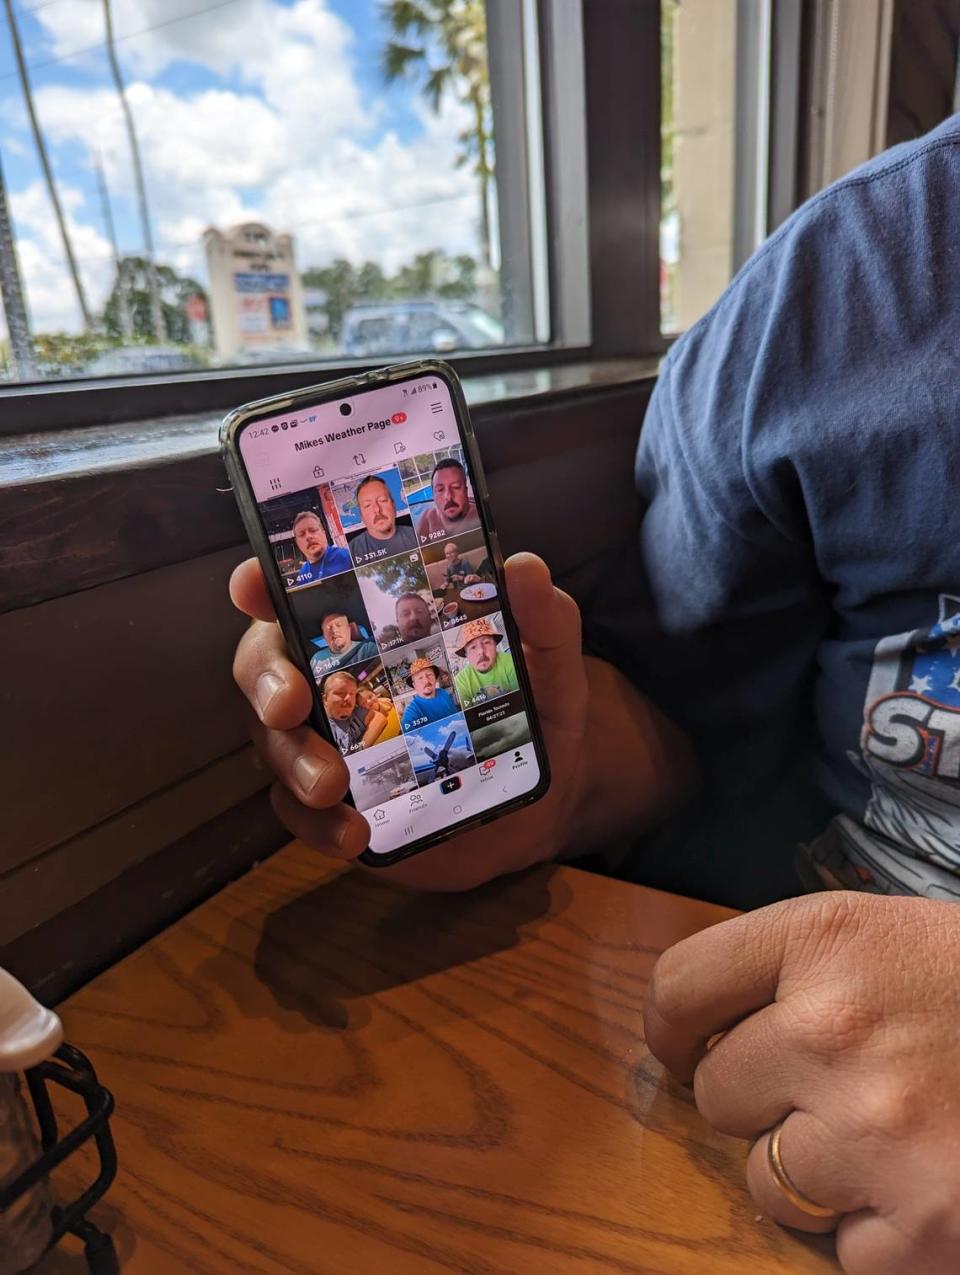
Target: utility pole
x: 156, y: 310
x: 45, y: 165
x: 11, y: 291
x: 126, y: 326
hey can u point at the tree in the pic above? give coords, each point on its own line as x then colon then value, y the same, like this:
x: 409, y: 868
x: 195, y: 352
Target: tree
x: 154, y: 284
x: 434, y: 274
x: 45, y: 166
x: 68, y: 353
x: 397, y: 575
x: 443, y: 44
x: 430, y: 274
x: 345, y: 285
x: 133, y: 285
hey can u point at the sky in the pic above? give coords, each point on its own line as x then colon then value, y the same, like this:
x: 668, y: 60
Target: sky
x: 274, y: 110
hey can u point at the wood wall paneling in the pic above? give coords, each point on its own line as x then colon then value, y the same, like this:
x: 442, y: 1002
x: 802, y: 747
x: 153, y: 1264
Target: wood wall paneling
x: 44, y: 886
x: 128, y: 784
x: 112, y: 694
x: 78, y: 528
x: 57, y: 956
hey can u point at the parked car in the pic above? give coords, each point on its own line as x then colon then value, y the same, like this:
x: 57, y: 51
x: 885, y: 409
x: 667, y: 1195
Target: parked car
x: 417, y: 327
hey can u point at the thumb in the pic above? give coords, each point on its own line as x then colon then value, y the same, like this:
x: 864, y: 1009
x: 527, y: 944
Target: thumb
x: 548, y: 620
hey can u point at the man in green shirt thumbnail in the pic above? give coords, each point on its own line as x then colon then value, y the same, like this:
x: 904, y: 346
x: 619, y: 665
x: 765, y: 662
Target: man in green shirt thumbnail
x: 488, y: 672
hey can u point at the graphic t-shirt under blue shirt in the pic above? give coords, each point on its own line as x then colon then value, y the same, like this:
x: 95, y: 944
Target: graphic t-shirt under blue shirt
x: 794, y: 602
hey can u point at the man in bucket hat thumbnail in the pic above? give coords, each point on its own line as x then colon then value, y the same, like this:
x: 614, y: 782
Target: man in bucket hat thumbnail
x: 431, y: 703
x: 489, y: 672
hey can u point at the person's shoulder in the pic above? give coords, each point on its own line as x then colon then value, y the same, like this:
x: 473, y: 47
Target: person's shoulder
x: 803, y: 348
x: 887, y: 204
x: 886, y: 224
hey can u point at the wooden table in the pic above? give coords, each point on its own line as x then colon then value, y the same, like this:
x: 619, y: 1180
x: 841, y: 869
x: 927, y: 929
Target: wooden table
x: 318, y: 1072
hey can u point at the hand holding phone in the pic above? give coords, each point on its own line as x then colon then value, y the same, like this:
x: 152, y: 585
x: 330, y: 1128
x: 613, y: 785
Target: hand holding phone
x: 549, y: 626
x: 365, y: 502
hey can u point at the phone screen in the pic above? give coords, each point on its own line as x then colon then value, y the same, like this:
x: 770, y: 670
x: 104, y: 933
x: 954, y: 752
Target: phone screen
x: 370, y: 509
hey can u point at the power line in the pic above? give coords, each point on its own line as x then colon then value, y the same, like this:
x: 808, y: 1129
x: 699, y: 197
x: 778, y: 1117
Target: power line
x: 314, y: 221
x: 171, y: 247
x: 131, y: 35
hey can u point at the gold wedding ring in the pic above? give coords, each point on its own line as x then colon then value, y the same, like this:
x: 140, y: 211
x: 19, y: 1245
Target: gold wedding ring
x: 782, y: 1179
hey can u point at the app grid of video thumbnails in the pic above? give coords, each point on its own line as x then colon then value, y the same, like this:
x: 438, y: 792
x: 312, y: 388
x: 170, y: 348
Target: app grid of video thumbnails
x: 405, y: 630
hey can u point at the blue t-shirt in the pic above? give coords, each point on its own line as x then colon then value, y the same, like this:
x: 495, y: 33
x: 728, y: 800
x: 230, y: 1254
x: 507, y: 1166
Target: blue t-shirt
x: 795, y: 603
x: 420, y: 710
x: 332, y: 562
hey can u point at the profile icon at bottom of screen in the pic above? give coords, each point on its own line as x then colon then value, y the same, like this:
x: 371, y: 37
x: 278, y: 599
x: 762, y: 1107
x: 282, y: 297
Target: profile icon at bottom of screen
x: 451, y: 785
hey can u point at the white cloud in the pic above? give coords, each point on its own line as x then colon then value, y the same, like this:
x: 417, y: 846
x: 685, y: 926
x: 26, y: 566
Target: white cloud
x: 297, y: 57
x: 51, y: 297
x: 292, y: 147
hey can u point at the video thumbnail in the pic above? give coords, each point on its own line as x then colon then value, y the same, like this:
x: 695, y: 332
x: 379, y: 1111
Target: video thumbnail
x: 421, y: 684
x: 497, y: 726
x: 479, y: 656
x: 306, y: 535
x: 398, y: 601
x: 379, y: 774
x: 336, y: 628
x: 374, y: 515
x: 461, y: 577
x: 440, y: 749
x: 358, y: 706
x: 439, y: 494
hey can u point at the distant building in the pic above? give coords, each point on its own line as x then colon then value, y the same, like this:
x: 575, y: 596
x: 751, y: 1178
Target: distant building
x: 255, y: 292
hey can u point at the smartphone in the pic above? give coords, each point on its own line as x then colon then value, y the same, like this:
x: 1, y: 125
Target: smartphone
x: 365, y: 502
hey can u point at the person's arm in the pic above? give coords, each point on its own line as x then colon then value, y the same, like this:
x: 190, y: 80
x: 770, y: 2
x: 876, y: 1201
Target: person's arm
x: 375, y: 724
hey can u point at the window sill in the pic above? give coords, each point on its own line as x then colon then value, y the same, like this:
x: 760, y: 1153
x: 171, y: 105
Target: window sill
x: 100, y: 503
x: 70, y: 453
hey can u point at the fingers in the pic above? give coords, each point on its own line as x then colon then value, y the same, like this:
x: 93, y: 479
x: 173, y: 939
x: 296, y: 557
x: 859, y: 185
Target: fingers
x: 741, y: 1085
x: 549, y: 624
x: 339, y: 831
x: 548, y: 618
x: 276, y: 689
x: 811, y: 1157
x: 869, y: 1244
x: 248, y: 591
x: 708, y: 982
x: 312, y: 770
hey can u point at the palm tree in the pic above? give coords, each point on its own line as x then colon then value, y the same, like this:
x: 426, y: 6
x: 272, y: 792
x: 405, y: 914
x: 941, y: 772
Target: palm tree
x: 156, y: 307
x: 443, y: 43
x: 45, y: 165
x: 11, y: 294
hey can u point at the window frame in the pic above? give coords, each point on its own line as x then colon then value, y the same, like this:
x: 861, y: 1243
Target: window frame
x: 602, y: 193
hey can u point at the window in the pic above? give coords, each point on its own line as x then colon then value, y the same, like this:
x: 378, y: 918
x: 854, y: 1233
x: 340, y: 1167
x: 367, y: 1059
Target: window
x: 698, y: 42
x: 242, y: 183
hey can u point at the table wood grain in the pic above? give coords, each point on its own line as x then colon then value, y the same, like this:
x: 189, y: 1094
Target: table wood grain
x: 318, y: 1072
